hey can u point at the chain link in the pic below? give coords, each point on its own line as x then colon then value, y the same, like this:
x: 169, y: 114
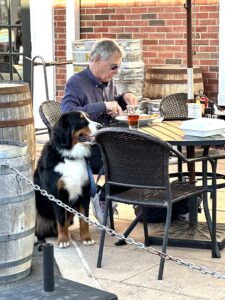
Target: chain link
x: 130, y: 241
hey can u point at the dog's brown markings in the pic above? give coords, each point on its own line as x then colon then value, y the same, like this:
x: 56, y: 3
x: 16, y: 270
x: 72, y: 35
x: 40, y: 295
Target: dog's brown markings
x: 75, y: 138
x: 60, y: 185
x: 84, y: 227
x: 63, y: 233
x: 76, y: 134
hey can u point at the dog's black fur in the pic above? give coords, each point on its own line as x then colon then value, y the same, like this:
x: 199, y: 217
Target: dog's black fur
x: 62, y: 172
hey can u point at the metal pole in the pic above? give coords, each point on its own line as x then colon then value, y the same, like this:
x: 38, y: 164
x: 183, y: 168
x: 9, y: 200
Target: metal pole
x: 188, y: 6
x: 48, y: 268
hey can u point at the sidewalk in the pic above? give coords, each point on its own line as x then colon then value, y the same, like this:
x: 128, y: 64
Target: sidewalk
x: 131, y: 273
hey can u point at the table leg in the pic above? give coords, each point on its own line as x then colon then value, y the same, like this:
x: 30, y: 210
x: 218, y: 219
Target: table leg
x: 193, y: 206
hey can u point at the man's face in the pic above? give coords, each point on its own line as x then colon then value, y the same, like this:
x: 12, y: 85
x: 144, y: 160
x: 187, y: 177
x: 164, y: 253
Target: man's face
x: 106, y: 69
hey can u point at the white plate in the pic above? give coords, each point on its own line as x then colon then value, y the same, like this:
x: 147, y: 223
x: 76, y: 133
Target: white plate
x: 144, y: 119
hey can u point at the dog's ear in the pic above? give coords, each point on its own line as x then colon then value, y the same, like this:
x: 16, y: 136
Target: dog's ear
x: 62, y: 133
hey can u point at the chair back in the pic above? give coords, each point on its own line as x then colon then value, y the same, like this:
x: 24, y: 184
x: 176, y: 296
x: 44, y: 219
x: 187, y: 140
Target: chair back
x: 174, y: 106
x: 50, y: 112
x: 134, y: 159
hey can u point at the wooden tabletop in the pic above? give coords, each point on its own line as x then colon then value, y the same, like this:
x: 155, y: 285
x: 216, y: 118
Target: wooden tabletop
x: 170, y: 131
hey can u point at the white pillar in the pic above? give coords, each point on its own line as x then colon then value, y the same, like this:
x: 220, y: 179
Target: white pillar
x: 72, y: 29
x: 42, y: 39
x: 221, y: 96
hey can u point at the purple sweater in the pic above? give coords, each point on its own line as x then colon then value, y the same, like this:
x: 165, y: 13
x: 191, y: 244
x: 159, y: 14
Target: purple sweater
x: 84, y: 92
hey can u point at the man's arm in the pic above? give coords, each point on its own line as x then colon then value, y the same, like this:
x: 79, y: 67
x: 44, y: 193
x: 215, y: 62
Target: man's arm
x: 76, y: 99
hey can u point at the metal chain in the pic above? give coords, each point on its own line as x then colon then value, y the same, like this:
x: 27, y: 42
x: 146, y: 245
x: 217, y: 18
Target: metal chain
x: 178, y: 261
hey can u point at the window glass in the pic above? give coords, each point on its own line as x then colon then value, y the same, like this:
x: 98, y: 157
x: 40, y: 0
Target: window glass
x: 11, y: 59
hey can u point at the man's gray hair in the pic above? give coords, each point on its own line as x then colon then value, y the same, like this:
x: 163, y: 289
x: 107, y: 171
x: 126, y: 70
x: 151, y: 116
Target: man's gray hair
x: 105, y: 48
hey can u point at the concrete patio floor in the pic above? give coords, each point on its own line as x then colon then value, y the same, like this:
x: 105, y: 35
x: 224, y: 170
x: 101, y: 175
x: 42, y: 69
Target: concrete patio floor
x: 131, y: 273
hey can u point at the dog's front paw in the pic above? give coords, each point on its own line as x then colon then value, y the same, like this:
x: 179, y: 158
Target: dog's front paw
x: 88, y: 242
x: 64, y: 244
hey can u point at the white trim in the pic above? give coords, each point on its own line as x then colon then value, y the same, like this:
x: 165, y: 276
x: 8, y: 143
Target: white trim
x: 72, y: 29
x: 221, y: 95
x: 42, y: 37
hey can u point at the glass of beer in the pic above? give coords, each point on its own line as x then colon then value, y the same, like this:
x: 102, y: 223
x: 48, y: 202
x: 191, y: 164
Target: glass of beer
x: 133, y: 112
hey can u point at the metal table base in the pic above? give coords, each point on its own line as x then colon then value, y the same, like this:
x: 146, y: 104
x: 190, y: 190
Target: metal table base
x: 182, y: 234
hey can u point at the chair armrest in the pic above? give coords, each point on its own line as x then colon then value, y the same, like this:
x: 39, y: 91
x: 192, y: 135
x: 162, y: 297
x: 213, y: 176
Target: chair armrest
x: 217, y: 156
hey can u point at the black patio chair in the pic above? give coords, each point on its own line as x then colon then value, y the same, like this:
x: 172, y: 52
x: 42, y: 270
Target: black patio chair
x: 174, y: 106
x: 139, y: 164
x: 50, y: 112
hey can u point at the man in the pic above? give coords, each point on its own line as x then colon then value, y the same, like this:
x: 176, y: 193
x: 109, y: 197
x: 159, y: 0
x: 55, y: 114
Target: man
x: 93, y: 91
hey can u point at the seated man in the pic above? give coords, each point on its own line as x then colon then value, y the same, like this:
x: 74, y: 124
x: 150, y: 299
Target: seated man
x: 93, y: 91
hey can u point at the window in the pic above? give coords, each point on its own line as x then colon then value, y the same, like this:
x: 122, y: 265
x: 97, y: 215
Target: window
x: 13, y: 41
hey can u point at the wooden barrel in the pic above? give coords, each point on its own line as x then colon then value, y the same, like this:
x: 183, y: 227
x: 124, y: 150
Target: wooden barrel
x: 166, y: 80
x: 16, y: 117
x: 17, y: 213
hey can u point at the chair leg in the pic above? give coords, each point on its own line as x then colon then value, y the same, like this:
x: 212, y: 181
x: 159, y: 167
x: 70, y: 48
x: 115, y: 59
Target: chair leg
x: 165, y: 242
x: 111, y: 216
x: 215, y: 247
x: 211, y: 224
x: 145, y: 225
x: 102, y: 238
x: 129, y: 229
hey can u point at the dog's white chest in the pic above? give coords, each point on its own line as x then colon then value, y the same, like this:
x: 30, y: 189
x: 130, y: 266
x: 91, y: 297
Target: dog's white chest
x: 74, y: 175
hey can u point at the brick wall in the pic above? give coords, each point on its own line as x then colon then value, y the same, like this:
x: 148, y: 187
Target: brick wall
x: 60, y: 47
x: 162, y: 26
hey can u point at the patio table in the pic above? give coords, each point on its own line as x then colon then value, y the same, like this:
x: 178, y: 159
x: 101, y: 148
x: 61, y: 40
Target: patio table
x: 187, y: 234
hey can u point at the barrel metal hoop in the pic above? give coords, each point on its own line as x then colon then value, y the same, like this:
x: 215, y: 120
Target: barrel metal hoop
x: 11, y: 237
x: 6, y: 170
x: 171, y: 81
x: 14, y: 277
x: 19, y: 198
x: 18, y: 103
x: 14, y: 123
x: 171, y: 71
x: 15, y: 262
x: 14, y: 89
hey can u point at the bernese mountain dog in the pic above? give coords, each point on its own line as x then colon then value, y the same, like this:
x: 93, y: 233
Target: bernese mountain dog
x: 63, y: 172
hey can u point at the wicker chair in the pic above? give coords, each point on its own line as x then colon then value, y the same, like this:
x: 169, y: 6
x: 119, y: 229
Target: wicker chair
x: 50, y: 112
x: 138, y: 163
x: 174, y: 106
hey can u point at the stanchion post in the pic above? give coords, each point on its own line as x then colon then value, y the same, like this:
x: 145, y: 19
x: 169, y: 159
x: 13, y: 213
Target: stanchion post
x: 48, y: 268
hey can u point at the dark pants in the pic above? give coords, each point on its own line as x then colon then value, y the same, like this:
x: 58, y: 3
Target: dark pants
x: 95, y: 159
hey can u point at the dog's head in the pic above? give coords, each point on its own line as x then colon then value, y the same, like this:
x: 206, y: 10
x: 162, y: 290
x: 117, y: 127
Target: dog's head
x: 74, y: 130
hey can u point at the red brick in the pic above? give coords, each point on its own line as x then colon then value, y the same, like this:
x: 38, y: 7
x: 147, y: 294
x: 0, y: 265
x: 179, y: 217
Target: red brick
x: 93, y: 11
x: 116, y: 29
x: 101, y: 29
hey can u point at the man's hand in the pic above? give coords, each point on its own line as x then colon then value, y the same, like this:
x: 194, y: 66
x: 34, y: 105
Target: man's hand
x: 113, y: 108
x: 130, y: 99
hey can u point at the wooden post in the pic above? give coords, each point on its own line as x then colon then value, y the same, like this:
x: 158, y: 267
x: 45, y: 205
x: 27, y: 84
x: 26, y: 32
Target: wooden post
x: 188, y: 6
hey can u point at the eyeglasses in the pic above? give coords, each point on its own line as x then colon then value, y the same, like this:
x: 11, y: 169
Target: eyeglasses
x: 115, y: 67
